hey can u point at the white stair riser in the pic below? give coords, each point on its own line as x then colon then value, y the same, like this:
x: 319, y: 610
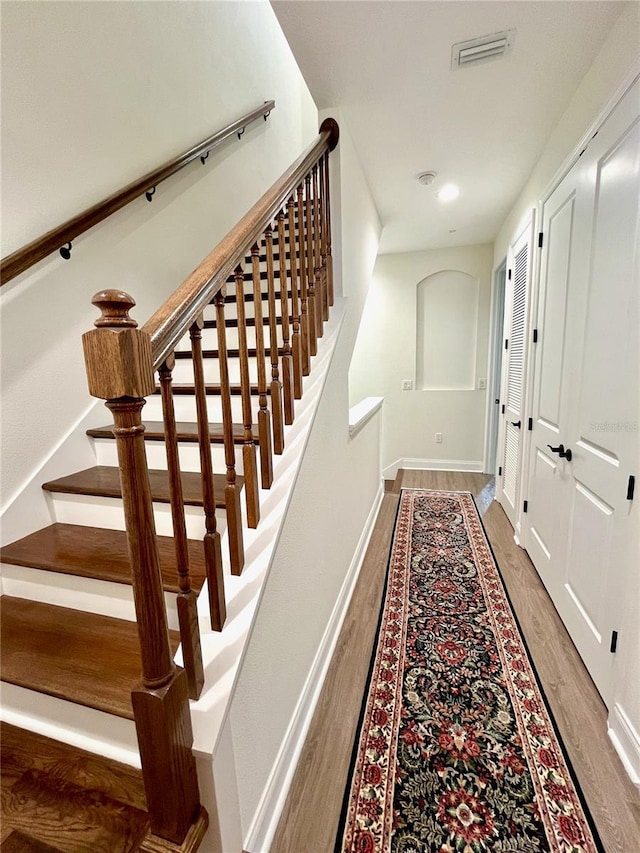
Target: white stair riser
x: 185, y: 408
x: 183, y: 371
x: 79, y: 593
x: 93, y: 511
x: 189, y: 453
x: 77, y: 725
x: 210, y: 339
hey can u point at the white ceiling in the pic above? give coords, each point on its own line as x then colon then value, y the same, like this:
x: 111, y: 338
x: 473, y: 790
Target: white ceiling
x: 387, y: 65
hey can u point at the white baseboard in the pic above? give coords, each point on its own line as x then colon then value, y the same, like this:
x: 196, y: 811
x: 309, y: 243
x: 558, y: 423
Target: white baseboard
x: 390, y: 472
x: 626, y: 741
x: 265, y: 822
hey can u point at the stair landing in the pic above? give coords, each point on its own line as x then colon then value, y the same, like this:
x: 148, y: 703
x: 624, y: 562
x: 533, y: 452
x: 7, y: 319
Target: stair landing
x: 60, y: 799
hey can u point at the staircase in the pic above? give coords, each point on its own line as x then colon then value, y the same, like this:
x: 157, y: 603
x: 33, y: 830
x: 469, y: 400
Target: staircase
x: 138, y: 537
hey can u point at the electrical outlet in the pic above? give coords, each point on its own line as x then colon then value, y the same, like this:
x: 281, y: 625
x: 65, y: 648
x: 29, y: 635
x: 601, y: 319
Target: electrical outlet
x: 407, y: 384
x: 482, y: 384
x: 438, y: 438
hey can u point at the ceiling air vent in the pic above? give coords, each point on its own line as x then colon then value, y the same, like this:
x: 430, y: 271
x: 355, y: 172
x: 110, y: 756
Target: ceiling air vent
x: 483, y: 49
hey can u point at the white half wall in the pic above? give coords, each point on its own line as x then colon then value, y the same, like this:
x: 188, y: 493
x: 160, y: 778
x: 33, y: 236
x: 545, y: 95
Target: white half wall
x: 318, y: 554
x: 93, y: 96
x: 385, y: 355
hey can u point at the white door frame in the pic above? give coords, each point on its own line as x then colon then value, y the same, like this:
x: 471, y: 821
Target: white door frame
x: 526, y: 228
x: 494, y: 370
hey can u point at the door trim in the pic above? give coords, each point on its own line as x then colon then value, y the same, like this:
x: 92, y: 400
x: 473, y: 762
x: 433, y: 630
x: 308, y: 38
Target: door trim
x: 492, y: 412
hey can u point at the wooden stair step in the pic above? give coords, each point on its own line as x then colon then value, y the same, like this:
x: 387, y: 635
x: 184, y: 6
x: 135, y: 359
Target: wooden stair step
x: 96, y: 552
x: 104, y: 481
x: 231, y: 353
x: 60, y: 798
x: 232, y: 322
x: 187, y: 431
x: 248, y: 276
x: 248, y: 296
x: 211, y: 390
x: 82, y: 657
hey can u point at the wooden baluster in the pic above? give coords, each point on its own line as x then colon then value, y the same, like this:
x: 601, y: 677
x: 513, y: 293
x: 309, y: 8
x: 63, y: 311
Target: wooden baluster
x: 187, y: 599
x: 212, y: 549
x: 317, y: 260
x: 304, y: 295
x: 120, y: 370
x: 327, y: 230
x: 296, y: 342
x: 276, y: 387
x: 287, y: 361
x: 249, y: 462
x: 323, y: 239
x: 311, y: 279
x: 232, y: 491
x: 264, y: 416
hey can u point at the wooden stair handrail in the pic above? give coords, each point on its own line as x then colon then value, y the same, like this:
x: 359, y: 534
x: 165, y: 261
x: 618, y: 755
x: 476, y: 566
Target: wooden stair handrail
x: 173, y: 319
x: 122, y: 361
x: 20, y: 260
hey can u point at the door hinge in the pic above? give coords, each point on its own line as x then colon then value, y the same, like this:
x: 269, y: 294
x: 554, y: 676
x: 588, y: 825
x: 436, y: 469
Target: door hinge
x: 631, y: 487
x: 535, y: 336
x: 525, y: 506
x: 500, y: 471
x: 540, y: 239
x: 506, y: 343
x: 614, y: 642
x: 503, y: 408
x: 509, y: 275
x: 530, y: 424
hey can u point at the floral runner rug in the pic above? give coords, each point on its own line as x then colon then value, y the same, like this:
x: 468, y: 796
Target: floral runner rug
x: 457, y: 751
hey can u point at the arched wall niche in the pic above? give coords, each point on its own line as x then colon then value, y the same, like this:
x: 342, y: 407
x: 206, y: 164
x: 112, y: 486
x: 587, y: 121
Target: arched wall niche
x: 446, y: 331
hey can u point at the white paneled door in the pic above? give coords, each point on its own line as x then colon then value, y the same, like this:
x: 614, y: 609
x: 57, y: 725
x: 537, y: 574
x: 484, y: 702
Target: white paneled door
x: 584, y: 447
x: 513, y: 385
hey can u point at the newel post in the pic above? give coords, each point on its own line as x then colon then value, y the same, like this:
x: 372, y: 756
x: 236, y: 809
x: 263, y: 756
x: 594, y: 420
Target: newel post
x: 120, y: 371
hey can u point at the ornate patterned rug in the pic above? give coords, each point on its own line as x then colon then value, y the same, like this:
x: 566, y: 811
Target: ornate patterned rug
x: 456, y: 751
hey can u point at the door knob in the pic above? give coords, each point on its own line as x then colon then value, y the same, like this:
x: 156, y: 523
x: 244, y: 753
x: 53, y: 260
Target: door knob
x: 562, y: 453
x: 516, y: 424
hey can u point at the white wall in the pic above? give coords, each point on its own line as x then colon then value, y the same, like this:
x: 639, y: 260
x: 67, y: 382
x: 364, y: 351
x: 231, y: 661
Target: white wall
x: 93, y: 96
x: 385, y: 355
x: 336, y: 488
x: 616, y: 56
x: 616, y: 60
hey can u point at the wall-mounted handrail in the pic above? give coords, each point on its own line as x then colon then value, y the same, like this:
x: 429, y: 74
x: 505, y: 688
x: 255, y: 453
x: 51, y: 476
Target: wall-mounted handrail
x: 54, y: 240
x: 173, y: 319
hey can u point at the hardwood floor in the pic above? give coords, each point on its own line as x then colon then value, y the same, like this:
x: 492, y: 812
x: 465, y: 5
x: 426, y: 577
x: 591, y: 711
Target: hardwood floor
x: 310, y: 817
x: 58, y: 799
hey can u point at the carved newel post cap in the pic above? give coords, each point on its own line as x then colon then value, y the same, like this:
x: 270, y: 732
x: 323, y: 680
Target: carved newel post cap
x: 115, y: 306
x: 117, y: 354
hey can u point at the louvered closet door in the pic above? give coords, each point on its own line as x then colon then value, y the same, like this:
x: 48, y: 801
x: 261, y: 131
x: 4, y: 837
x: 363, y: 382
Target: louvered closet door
x: 513, y: 420
x: 580, y: 525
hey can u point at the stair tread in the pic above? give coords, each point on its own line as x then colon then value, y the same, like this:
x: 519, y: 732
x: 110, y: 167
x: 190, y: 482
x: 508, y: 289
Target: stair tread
x: 180, y: 389
x: 96, y: 552
x: 85, y: 658
x: 186, y: 430
x: 232, y: 322
x: 58, y: 797
x: 104, y: 481
x: 231, y: 353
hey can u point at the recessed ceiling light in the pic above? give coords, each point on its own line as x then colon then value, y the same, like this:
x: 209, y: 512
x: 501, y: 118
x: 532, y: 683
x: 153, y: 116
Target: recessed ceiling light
x: 448, y: 192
